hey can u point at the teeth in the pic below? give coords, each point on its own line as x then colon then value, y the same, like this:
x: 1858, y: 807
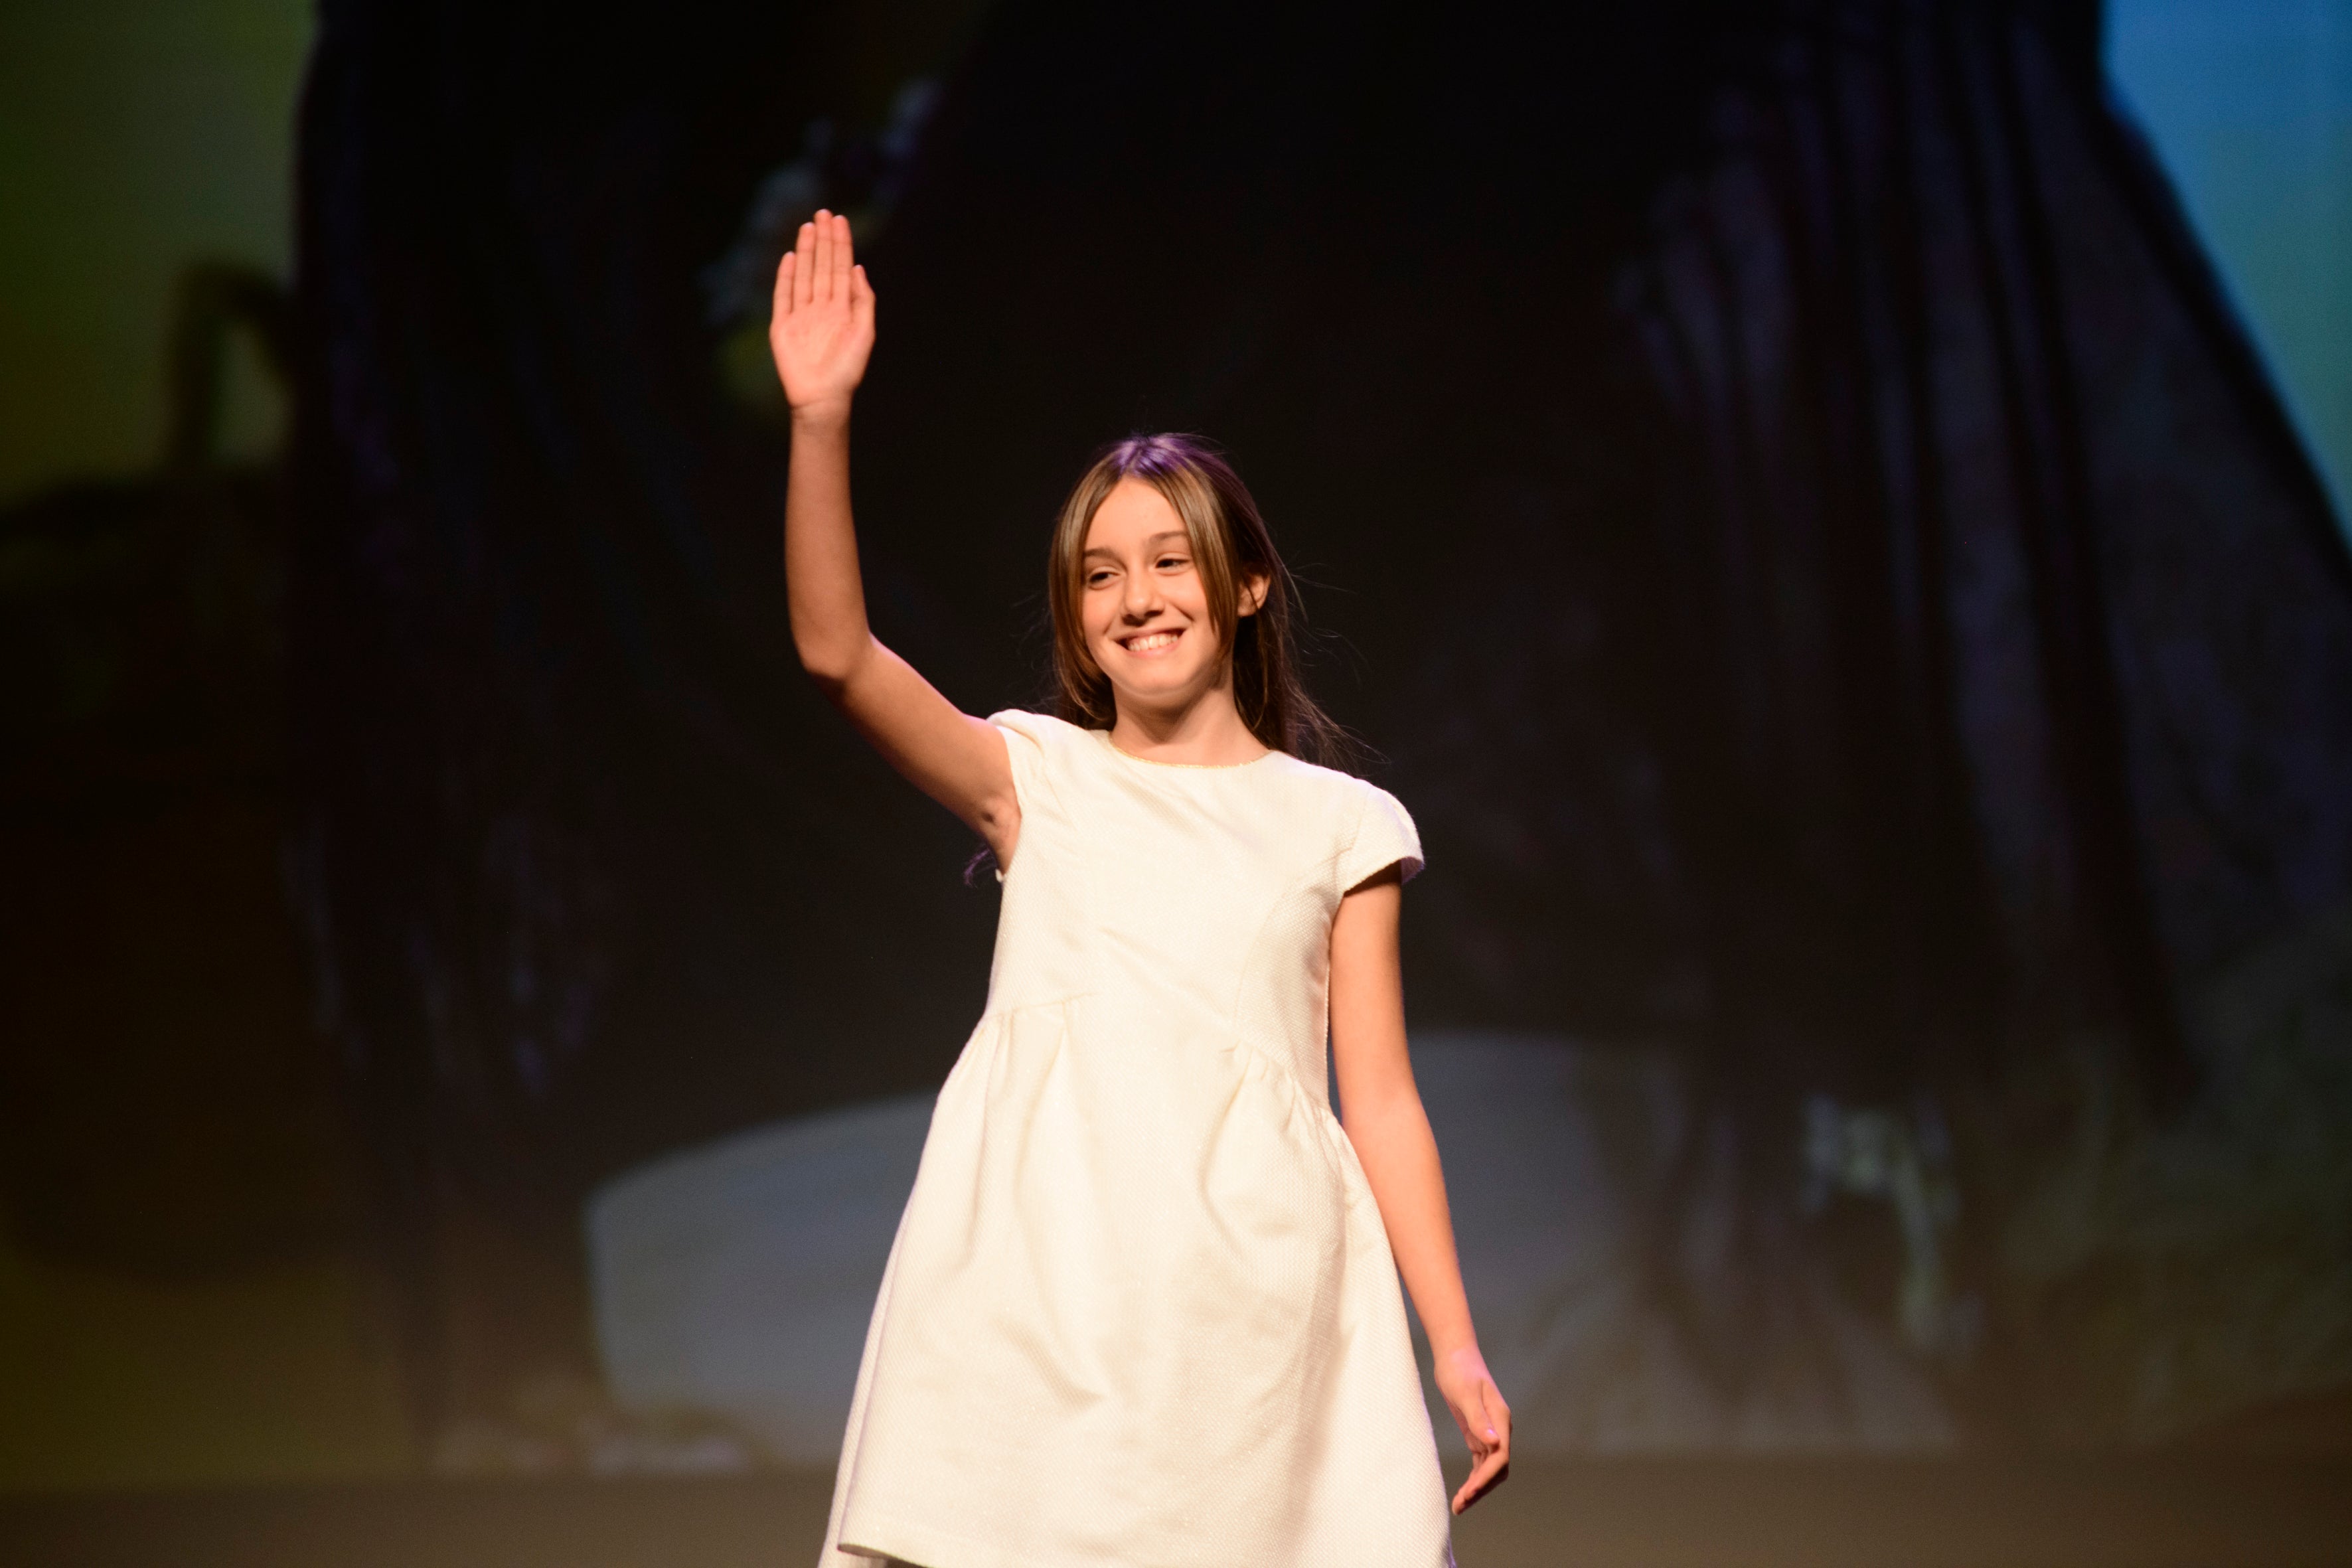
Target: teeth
x: 1152, y: 642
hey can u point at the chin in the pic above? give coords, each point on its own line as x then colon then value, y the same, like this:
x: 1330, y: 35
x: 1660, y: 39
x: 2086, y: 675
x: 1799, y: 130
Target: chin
x: 1161, y: 688
x: 1155, y: 694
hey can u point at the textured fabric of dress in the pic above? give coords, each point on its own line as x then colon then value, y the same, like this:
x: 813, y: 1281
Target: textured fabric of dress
x: 1141, y: 1310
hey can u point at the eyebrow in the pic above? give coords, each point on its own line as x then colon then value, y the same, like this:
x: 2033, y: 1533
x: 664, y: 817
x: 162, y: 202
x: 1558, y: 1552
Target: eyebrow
x: 1155, y: 539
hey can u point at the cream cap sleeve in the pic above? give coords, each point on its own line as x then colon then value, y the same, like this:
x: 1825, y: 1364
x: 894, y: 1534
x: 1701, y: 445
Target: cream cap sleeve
x: 1034, y: 744
x: 1384, y: 836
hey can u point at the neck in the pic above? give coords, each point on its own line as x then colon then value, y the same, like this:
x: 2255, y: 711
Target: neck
x: 1207, y: 730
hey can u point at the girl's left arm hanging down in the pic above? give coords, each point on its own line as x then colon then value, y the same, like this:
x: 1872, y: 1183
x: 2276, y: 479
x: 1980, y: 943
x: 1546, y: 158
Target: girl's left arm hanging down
x: 1381, y: 1108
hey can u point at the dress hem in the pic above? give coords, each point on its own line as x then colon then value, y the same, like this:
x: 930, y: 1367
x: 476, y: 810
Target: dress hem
x: 915, y: 1546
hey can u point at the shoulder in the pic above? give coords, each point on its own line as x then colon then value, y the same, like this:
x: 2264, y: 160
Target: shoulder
x: 1342, y: 789
x: 1040, y: 729
x: 1372, y: 828
x: 1045, y: 751
x: 1051, y: 741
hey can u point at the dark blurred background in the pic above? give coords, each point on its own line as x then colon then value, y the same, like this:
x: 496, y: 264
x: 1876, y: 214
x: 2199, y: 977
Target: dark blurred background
x: 1830, y: 515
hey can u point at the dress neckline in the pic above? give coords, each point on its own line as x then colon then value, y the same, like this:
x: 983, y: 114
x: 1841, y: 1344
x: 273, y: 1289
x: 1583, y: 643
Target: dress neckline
x: 1116, y: 750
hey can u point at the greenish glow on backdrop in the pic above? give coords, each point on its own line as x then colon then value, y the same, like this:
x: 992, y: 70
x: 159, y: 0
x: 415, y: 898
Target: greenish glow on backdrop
x: 136, y: 136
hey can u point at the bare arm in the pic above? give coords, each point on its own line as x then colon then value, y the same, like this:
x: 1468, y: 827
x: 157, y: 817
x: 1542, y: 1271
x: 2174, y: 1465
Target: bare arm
x: 1381, y: 1108
x: 821, y: 334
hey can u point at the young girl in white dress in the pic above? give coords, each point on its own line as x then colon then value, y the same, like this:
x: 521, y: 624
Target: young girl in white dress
x: 1142, y: 1309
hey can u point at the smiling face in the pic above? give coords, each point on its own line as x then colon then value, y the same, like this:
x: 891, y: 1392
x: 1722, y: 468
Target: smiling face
x: 1144, y: 605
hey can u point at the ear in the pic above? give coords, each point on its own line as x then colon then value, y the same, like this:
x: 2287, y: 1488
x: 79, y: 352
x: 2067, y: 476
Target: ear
x: 1253, y: 591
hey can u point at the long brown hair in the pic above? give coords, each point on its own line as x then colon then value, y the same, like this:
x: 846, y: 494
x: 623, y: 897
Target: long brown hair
x: 1230, y: 546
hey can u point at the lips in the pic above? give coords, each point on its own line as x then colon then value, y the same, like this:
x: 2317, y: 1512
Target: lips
x: 1150, y: 644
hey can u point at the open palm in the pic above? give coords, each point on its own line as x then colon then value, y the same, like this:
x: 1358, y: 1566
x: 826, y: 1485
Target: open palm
x: 822, y: 328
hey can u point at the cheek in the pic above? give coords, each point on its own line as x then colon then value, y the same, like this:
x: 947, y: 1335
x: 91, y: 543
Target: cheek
x: 1195, y: 606
x: 1096, y: 614
x: 1184, y: 593
x: 1095, y: 611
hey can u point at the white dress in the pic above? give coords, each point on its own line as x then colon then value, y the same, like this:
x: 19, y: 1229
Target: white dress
x: 1141, y: 1311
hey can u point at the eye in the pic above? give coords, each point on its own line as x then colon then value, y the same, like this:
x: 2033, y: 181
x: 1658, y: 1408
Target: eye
x: 1172, y: 563
x: 1099, y: 576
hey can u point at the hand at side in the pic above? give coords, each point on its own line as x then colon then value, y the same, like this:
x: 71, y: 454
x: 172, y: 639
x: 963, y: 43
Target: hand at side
x: 1381, y: 1108
x: 1485, y: 1421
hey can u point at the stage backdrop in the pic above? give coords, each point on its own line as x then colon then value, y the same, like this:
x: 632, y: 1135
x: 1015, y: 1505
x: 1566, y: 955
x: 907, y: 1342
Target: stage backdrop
x: 1824, y: 538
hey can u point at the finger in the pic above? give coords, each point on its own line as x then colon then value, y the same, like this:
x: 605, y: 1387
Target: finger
x: 783, y: 302
x: 1495, y: 1414
x: 842, y: 260
x: 1472, y: 1432
x: 1488, y: 1432
x: 861, y: 294
x: 1483, y: 1477
x: 829, y: 227
x: 805, y: 265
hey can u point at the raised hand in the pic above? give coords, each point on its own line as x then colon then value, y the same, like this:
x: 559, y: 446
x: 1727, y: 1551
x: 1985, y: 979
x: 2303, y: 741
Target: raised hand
x: 822, y: 327
x: 821, y: 334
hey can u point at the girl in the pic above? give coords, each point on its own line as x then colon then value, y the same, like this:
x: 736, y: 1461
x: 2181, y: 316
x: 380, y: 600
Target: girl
x: 1143, y: 1308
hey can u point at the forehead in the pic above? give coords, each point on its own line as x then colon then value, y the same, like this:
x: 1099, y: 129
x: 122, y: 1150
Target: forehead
x: 1130, y: 517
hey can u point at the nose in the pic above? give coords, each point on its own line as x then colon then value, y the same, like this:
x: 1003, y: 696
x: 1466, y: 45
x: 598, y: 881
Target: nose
x: 1143, y: 595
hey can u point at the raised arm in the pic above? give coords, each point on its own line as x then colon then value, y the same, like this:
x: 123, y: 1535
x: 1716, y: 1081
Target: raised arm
x: 821, y: 334
x: 1380, y: 1107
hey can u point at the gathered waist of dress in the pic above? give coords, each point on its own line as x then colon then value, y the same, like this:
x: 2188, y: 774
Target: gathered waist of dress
x: 1094, y: 1017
